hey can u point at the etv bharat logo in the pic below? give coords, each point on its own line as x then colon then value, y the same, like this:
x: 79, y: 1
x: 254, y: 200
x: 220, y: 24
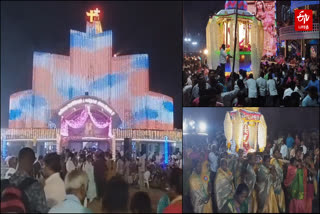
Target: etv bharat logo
x: 303, y: 20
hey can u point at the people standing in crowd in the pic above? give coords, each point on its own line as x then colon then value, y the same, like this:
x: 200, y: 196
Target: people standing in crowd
x: 213, y: 161
x: 311, y: 100
x: 250, y: 179
x: 37, y: 167
x: 282, y: 82
x: 140, y: 203
x: 236, y: 165
x: 277, y: 184
x: 127, y: 161
x: 272, y: 98
x: 296, y: 180
x: 200, y: 198
x: 119, y: 165
x: 262, y: 87
x: 311, y: 173
x: 141, y: 169
x: 76, y: 184
x: 223, y: 60
x: 266, y: 174
x: 289, y: 142
x: 99, y: 170
x: 116, y: 196
x: 12, y: 163
x: 304, y: 148
x: 252, y: 90
x: 36, y: 199
x: 314, y: 82
x: 88, y: 168
x: 54, y: 188
x: 224, y: 187
x: 239, y: 202
x: 175, y: 183
x: 70, y: 165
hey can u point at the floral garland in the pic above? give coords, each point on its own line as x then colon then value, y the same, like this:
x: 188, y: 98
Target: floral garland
x: 80, y: 121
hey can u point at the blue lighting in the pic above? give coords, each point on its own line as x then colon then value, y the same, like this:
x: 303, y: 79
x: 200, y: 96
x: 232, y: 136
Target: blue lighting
x: 166, y: 150
x: 15, y: 114
x: 4, y: 149
x: 108, y: 80
x: 140, y: 61
x: 168, y: 106
x: 146, y: 114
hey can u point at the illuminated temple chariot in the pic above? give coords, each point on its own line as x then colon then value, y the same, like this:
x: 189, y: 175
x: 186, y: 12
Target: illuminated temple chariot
x: 250, y: 38
x: 91, y: 98
x: 245, y: 128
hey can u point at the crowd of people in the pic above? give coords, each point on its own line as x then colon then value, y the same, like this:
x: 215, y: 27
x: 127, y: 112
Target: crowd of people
x: 284, y: 177
x: 88, y: 181
x: 282, y: 82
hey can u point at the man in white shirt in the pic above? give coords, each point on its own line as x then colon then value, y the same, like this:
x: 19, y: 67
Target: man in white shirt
x: 262, y: 85
x: 70, y: 165
x: 120, y: 166
x: 252, y: 90
x: 289, y: 90
x: 12, y: 163
x: 284, y: 150
x: 54, y: 188
x: 299, y: 89
x: 223, y: 59
x: 76, y: 184
x: 304, y: 148
x: 142, y: 169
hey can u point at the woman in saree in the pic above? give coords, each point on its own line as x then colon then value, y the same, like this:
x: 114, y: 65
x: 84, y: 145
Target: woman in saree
x: 311, y: 181
x: 239, y: 202
x: 237, y: 168
x: 250, y: 180
x: 205, y: 175
x: 278, y: 191
x: 200, y: 197
x: 296, y: 183
x: 224, y: 188
x: 266, y: 176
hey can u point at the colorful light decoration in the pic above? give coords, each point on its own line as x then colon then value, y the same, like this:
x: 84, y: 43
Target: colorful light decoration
x: 241, y: 125
x: 89, y: 101
x: 4, y: 148
x: 79, y: 122
x: 166, y: 150
x: 93, y: 13
x: 60, y: 82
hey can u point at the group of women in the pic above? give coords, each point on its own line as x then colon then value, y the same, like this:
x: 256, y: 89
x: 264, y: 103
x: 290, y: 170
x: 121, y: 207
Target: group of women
x: 256, y: 183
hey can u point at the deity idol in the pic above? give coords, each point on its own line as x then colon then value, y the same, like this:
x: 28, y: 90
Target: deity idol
x: 268, y: 24
x: 260, y: 14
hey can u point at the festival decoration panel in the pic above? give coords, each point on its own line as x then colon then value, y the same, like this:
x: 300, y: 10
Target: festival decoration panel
x: 120, y: 81
x: 51, y: 78
x: 154, y: 111
x: 21, y: 109
x: 265, y: 11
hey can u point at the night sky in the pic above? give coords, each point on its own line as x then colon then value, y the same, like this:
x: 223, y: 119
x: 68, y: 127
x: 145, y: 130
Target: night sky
x: 153, y: 28
x: 196, y: 17
x: 278, y: 120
